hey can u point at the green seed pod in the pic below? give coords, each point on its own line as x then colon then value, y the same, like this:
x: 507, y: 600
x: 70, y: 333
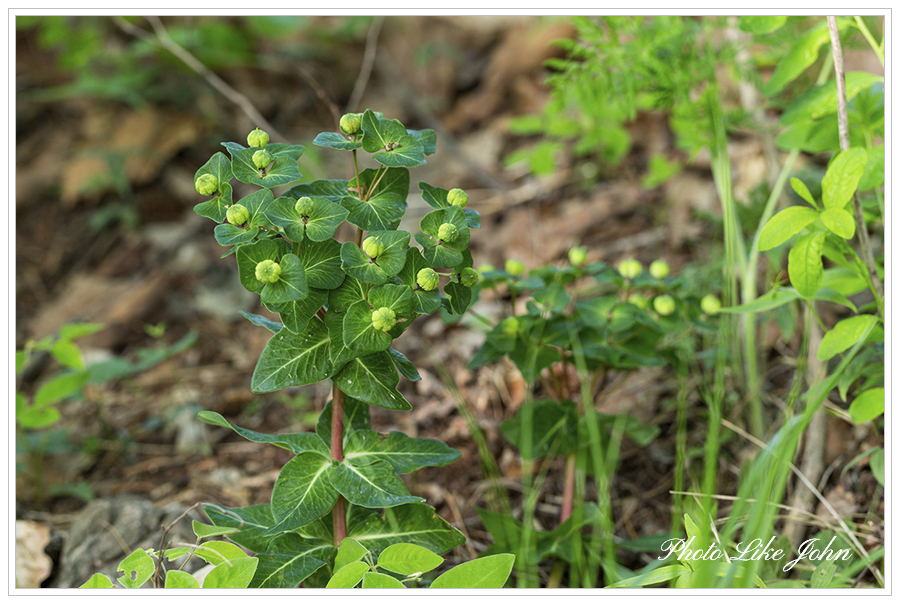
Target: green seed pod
x: 262, y: 159
x: 630, y: 268
x: 373, y: 247
x: 351, y: 123
x: 659, y: 269
x: 237, y: 215
x: 427, y: 279
x: 207, y: 184
x: 469, y: 277
x: 638, y: 300
x: 509, y: 326
x: 515, y: 267
x: 458, y: 197
x: 664, y: 304
x: 268, y: 271
x: 258, y: 138
x: 384, y: 319
x: 447, y: 232
x: 710, y: 304
x: 304, y: 206
x: 577, y: 256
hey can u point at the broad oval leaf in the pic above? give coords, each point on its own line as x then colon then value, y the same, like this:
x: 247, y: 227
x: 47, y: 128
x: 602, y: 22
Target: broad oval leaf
x: 178, y: 579
x: 845, y: 334
x: 303, y: 491
x: 412, y: 523
x: 867, y: 406
x: 802, y: 190
x: 405, y: 454
x: 138, y: 568
x: 804, y: 53
x: 784, y: 225
x: 373, y: 580
x: 490, y: 572
x: 348, y: 575
x: 234, y: 574
x: 336, y: 140
x: 408, y: 558
x: 374, y: 485
x: 349, y: 551
x: 761, y: 24
x: 291, y: 359
x: 372, y: 379
x: 219, y: 166
x: 805, y: 264
x: 842, y: 177
x: 296, y: 443
x: 839, y: 221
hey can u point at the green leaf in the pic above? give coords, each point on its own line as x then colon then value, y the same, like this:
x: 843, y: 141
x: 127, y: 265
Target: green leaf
x: 383, y: 208
x: 784, y: 225
x: 842, y: 177
x: 404, y: 366
x: 322, y: 263
x: 805, y: 264
x: 839, y: 221
x: 97, y: 581
x: 285, y: 150
x: 372, y: 580
x: 289, y: 560
x: 658, y: 575
x: 443, y: 253
x: 403, y: 453
x: 490, y: 572
x: 178, y: 579
x: 251, y: 523
x: 845, y: 334
x: 338, y: 352
x: 204, y: 531
x: 412, y: 523
x: 460, y: 297
x: 803, y: 54
x: 336, y: 140
x: 427, y: 138
x: 349, y: 551
x: 290, y: 287
x: 867, y: 406
x: 423, y: 302
x: 35, y: 418
x: 408, y: 558
x: 319, y: 225
x: 138, y: 568
x: 282, y: 171
x: 256, y: 203
x: 296, y: 443
x: 531, y: 359
x: 873, y: 175
x: 372, y: 379
x: 761, y: 24
x: 248, y: 256
x: 348, y: 576
x: 73, y: 331
x: 216, y: 552
x: 375, y: 485
x: 876, y: 462
x: 303, y: 491
x: 359, y: 266
x: 68, y: 354
x: 821, y: 100
x: 219, y: 166
x: 352, y: 290
x: 296, y: 314
x: 822, y: 576
x: 291, y: 359
x: 389, y: 141
x: 359, y: 332
x: 59, y: 388
x: 436, y: 197
x: 405, y: 153
x: 802, y: 190
x: 235, y: 574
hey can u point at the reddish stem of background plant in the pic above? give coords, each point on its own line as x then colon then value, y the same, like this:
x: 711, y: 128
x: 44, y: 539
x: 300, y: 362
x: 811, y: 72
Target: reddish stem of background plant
x: 339, y: 517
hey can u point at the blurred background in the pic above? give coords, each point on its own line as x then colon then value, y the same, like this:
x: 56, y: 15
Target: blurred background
x: 114, y: 115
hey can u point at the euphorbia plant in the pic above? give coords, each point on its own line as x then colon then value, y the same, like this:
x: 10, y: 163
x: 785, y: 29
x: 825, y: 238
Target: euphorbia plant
x: 341, y: 304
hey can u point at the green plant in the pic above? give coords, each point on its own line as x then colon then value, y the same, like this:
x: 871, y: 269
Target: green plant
x: 341, y: 305
x: 601, y: 324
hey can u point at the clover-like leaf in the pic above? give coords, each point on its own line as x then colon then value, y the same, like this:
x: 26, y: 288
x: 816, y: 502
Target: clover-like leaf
x: 423, y: 302
x: 249, y: 256
x: 436, y: 251
x: 388, y: 263
x: 436, y: 197
x: 290, y: 286
x: 256, y: 204
x: 322, y: 263
x: 319, y: 225
x: 379, y: 202
x: 427, y: 138
x: 296, y: 314
x: 336, y: 140
x: 219, y: 166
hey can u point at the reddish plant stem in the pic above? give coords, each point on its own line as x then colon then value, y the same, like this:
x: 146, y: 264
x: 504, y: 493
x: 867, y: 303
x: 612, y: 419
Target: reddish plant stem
x: 568, y: 488
x: 338, y: 513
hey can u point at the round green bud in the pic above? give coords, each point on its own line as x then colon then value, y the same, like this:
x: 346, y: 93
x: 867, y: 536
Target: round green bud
x: 710, y: 304
x: 458, y: 197
x: 304, y: 206
x: 447, y: 232
x: 469, y: 277
x: 638, y: 300
x: 373, y: 247
x: 577, y: 256
x: 262, y: 159
x: 237, y: 214
x: 383, y: 319
x: 515, y: 267
x: 509, y: 326
x: 427, y: 279
x: 207, y: 184
x: 258, y: 138
x: 350, y: 123
x: 486, y: 268
x: 659, y: 269
x: 630, y: 268
x: 268, y: 271
x: 664, y: 304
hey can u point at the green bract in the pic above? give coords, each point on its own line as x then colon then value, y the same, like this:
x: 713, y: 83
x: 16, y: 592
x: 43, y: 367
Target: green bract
x: 258, y: 138
x: 268, y: 271
x: 340, y: 306
x: 383, y: 319
x: 427, y: 279
x: 237, y: 214
x: 206, y: 184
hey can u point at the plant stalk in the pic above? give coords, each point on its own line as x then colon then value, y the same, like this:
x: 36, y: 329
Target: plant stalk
x: 338, y: 512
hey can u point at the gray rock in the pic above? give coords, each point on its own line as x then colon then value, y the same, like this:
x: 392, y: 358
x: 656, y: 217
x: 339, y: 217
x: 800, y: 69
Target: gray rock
x: 108, y: 530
